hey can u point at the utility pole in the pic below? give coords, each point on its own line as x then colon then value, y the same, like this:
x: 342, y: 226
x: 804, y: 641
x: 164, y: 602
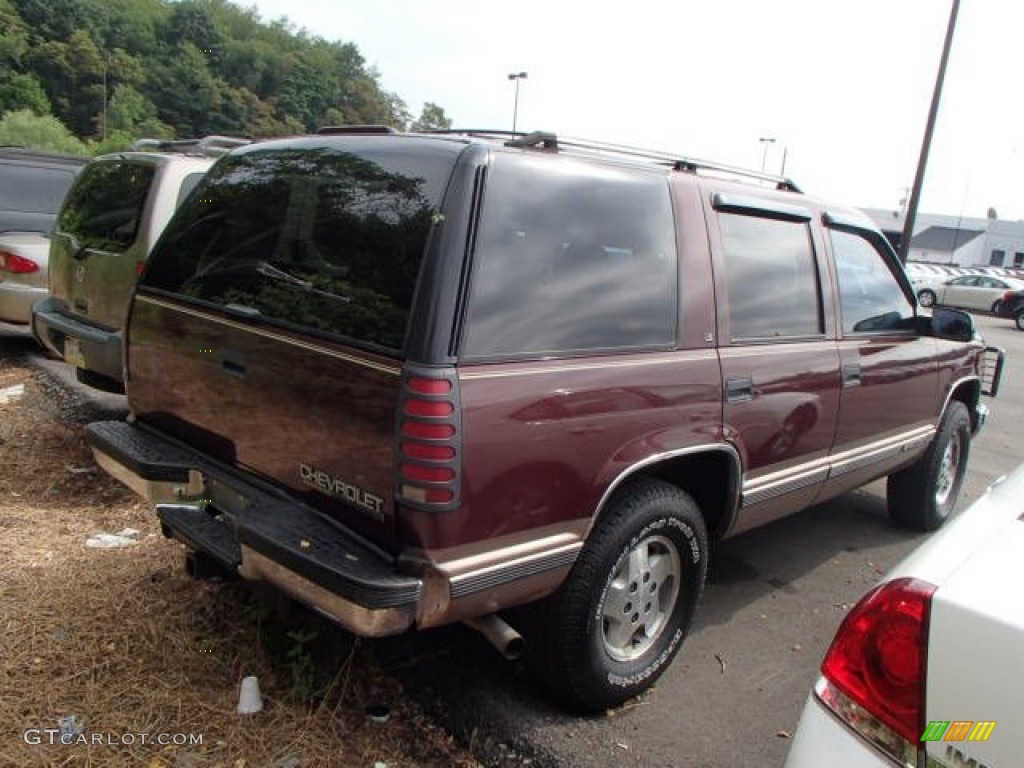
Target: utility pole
x: 922, y: 162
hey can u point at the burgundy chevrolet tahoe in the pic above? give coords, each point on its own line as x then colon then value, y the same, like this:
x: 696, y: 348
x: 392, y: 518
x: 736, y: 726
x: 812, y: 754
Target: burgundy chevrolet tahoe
x: 415, y: 379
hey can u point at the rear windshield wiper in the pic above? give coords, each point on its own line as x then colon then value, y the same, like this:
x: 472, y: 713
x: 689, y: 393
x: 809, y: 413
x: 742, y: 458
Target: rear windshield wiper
x: 269, y: 270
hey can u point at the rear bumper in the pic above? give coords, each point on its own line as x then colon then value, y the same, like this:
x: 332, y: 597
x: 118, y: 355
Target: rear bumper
x: 822, y: 740
x: 100, y: 348
x: 259, y: 532
x: 16, y: 300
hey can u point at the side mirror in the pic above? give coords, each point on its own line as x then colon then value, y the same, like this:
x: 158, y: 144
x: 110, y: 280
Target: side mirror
x: 952, y: 324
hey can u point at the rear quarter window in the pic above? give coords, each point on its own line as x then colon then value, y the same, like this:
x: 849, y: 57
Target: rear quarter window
x: 572, y: 257
x: 104, y: 207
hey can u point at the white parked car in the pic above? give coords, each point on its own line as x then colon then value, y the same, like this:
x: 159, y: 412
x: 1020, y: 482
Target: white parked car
x: 973, y: 291
x: 928, y: 668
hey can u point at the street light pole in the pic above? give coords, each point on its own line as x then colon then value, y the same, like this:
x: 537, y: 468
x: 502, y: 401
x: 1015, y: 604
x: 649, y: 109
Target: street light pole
x: 922, y: 161
x: 517, y: 76
x: 764, y: 154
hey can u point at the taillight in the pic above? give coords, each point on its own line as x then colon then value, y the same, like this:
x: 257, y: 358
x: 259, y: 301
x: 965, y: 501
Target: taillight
x: 874, y: 671
x: 15, y: 264
x: 429, y: 442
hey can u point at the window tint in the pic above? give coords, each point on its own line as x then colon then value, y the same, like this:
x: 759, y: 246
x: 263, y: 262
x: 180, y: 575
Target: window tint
x: 871, y: 298
x: 571, y: 257
x: 772, y: 277
x: 187, y: 185
x: 309, y: 236
x: 33, y: 189
x: 103, y: 209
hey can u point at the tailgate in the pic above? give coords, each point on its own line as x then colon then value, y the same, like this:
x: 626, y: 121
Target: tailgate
x: 311, y: 418
x: 269, y: 327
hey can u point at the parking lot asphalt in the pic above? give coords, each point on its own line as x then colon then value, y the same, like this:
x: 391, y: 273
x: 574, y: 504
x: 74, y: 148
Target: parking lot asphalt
x: 734, y: 694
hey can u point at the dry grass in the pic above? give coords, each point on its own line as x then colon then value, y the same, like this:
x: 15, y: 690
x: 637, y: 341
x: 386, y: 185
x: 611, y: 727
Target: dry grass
x: 125, y: 641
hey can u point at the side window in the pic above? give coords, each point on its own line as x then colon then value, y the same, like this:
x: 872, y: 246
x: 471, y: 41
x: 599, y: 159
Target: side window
x: 871, y: 298
x: 103, y: 208
x: 187, y: 185
x: 772, y: 278
x: 571, y: 257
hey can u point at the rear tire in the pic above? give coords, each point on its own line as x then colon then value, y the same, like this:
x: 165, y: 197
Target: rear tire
x: 923, y: 495
x: 994, y: 309
x: 612, y: 628
x: 1019, y: 318
x: 926, y: 298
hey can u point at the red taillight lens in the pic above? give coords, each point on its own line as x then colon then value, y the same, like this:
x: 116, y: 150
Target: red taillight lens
x: 419, y: 385
x: 428, y: 431
x: 15, y: 264
x: 878, y: 657
x: 428, y: 452
x: 427, y: 474
x: 433, y: 409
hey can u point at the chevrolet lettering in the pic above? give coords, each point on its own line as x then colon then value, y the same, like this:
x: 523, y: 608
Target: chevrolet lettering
x: 335, y: 485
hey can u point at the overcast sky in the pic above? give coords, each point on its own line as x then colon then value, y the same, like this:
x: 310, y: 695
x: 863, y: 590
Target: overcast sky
x: 843, y: 85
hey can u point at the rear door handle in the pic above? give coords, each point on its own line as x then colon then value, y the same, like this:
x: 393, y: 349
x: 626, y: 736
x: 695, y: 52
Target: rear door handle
x: 738, y: 390
x: 851, y: 375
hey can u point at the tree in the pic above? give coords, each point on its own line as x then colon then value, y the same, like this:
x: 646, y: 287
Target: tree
x: 23, y: 92
x: 131, y: 112
x: 23, y: 128
x: 432, y: 118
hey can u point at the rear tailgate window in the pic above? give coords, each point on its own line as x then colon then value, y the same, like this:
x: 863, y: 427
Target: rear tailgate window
x: 319, y: 237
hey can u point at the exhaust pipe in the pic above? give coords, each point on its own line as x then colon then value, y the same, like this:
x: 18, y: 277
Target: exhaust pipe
x: 498, y: 633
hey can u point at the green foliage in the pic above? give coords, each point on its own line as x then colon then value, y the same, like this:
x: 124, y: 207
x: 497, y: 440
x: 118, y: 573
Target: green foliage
x: 24, y: 128
x: 301, y: 664
x: 22, y: 91
x: 432, y: 118
x: 116, y: 141
x: 186, y: 68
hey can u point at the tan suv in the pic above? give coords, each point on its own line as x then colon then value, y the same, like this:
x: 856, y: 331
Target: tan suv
x: 415, y: 379
x: 108, y: 224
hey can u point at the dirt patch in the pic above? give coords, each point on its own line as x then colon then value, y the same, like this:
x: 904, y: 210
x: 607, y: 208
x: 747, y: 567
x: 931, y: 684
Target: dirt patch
x: 146, y: 658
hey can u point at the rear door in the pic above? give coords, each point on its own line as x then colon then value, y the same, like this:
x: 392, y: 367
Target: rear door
x: 93, y: 259
x: 780, y: 368
x: 268, y: 329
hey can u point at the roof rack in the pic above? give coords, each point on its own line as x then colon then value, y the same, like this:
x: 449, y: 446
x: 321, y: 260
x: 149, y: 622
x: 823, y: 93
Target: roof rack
x: 545, y: 140
x: 334, y: 130
x: 211, y: 146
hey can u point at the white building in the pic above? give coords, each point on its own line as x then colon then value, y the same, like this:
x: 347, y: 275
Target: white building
x: 959, y: 240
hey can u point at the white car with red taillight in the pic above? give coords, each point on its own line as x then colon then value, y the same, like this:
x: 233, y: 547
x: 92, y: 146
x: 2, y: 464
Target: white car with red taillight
x: 928, y: 668
x: 23, y: 276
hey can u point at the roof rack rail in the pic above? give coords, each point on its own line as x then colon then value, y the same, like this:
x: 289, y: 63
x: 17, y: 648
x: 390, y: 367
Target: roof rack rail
x: 548, y: 140
x: 212, y: 146
x: 332, y: 130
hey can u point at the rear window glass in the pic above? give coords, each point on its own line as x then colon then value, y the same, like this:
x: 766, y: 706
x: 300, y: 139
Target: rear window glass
x: 571, y: 257
x: 33, y: 189
x: 187, y: 185
x: 103, y: 210
x: 311, y: 236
